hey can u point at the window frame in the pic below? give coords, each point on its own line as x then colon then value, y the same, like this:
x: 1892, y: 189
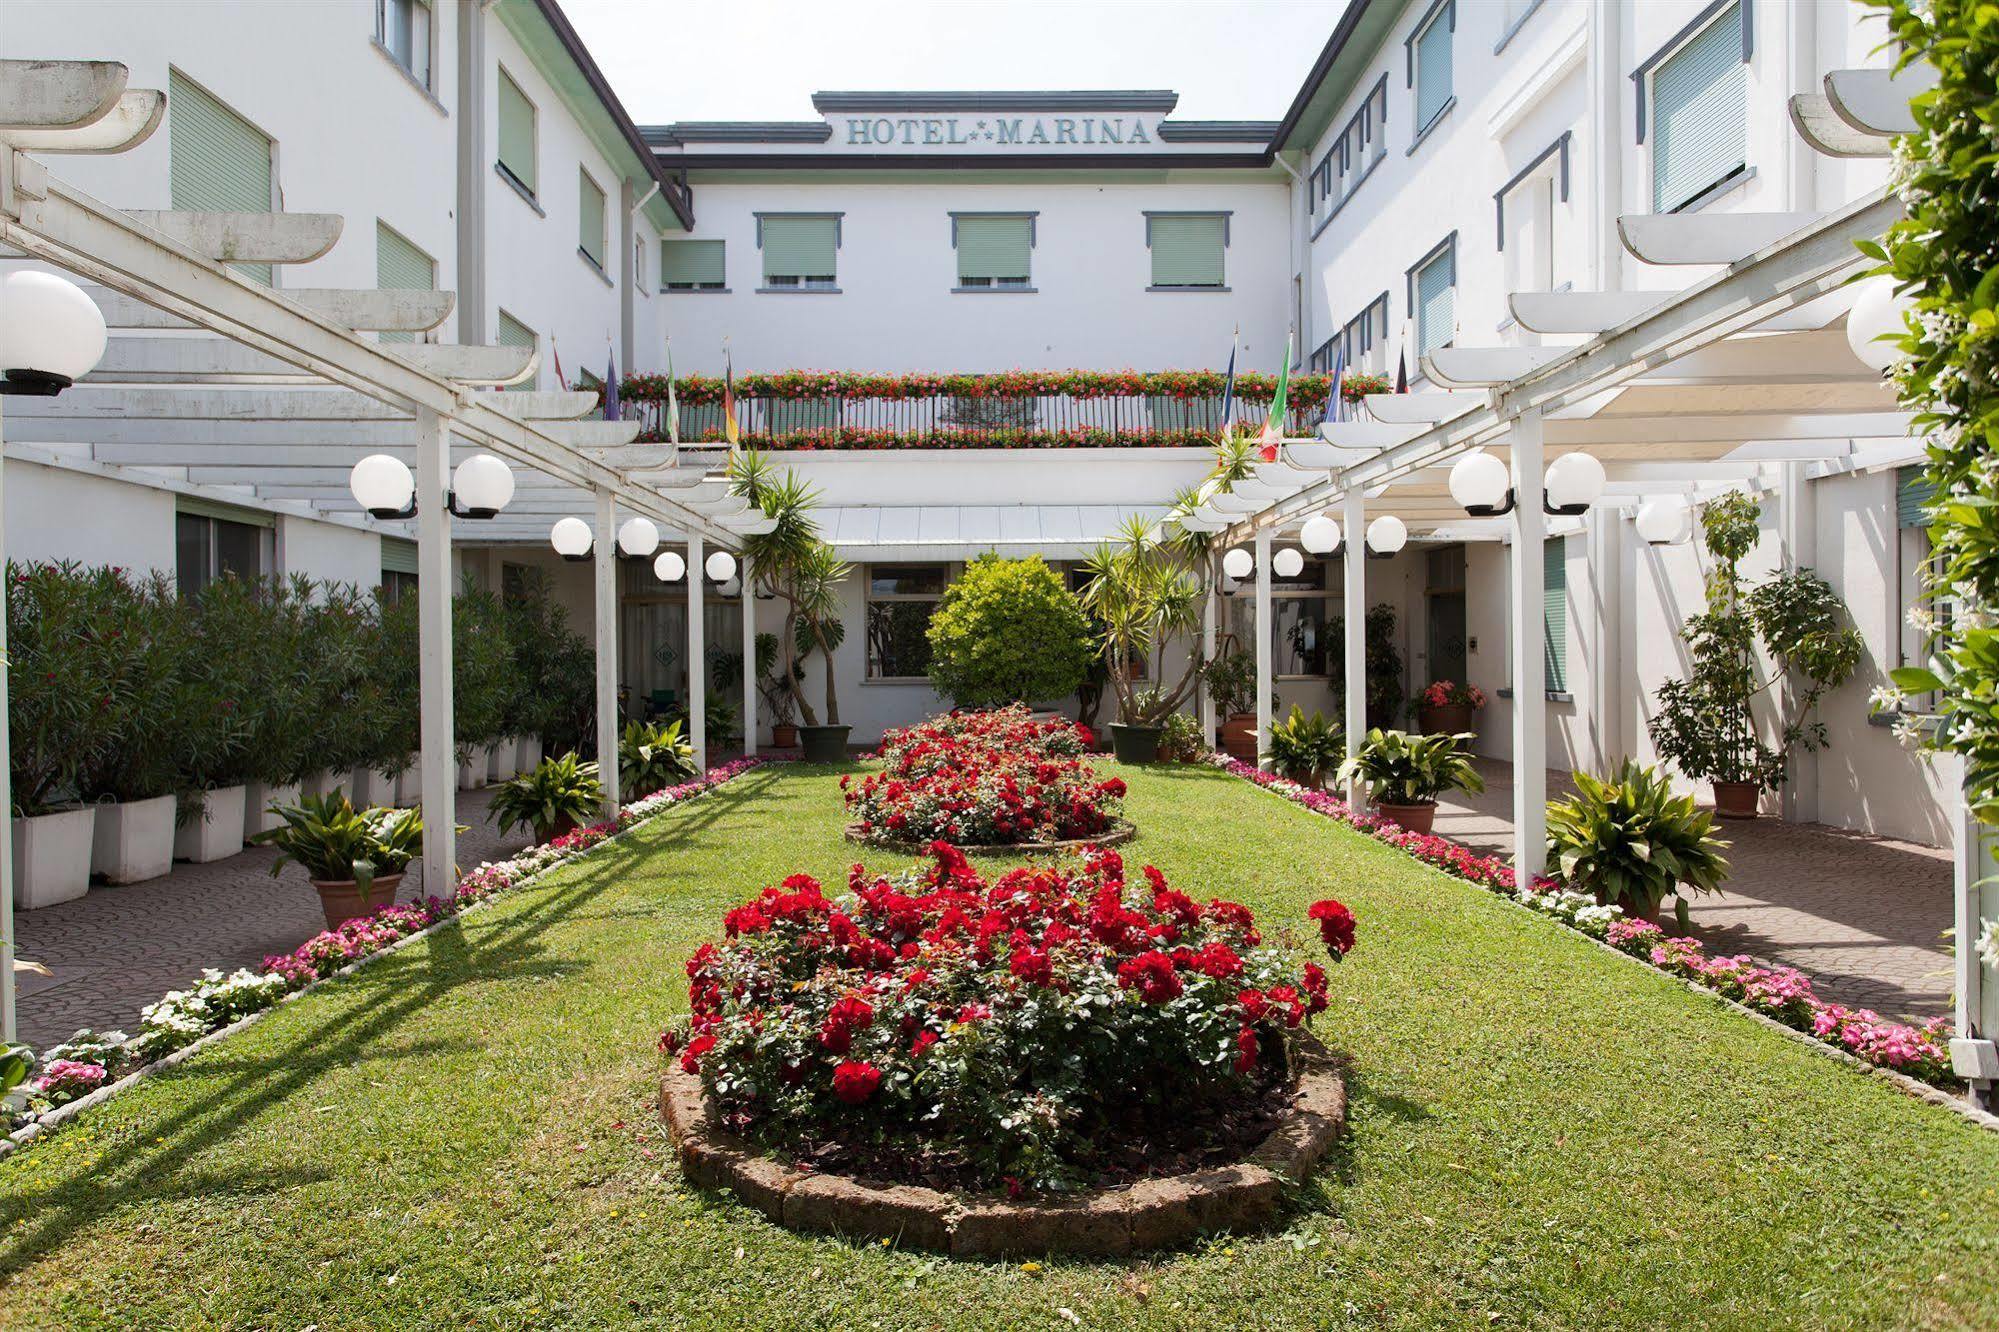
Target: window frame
x: 1447, y: 11
x: 426, y: 81
x: 1330, y: 592
x: 527, y: 191
x: 1909, y: 587
x: 1360, y: 324
x: 264, y: 533
x: 1642, y: 81
x: 596, y: 261
x: 381, y: 225
x: 789, y: 284
x: 1336, y: 177
x: 990, y: 286
x: 1446, y: 249
x: 1227, y: 215
x: 505, y: 318
x: 639, y: 264
x: 869, y: 599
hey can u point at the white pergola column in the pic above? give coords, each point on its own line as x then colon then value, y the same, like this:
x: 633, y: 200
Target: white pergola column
x: 1353, y: 514
x: 437, y: 746
x: 1210, y: 615
x: 1797, y: 539
x: 697, y: 655
x: 1263, y: 647
x: 749, y: 659
x: 605, y: 605
x: 7, y: 1019
x: 1973, y: 1053
x: 1605, y: 546
x: 1530, y: 676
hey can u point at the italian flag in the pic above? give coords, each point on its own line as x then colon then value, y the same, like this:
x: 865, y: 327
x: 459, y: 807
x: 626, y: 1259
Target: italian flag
x: 730, y: 431
x: 1273, y: 430
x: 672, y: 399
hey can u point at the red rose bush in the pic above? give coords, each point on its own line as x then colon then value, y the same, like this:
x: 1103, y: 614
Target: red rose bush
x: 1028, y: 1032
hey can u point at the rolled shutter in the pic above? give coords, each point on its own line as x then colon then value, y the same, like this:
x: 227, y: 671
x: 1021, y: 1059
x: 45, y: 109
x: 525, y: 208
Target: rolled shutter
x: 1433, y: 70
x: 399, y: 264
x: 513, y: 333
x: 694, y: 262
x: 590, y: 219
x: 217, y: 161
x: 1700, y: 108
x: 398, y: 556
x: 1187, y: 251
x: 993, y: 247
x: 1436, y: 303
x: 799, y: 247
x: 201, y: 507
x: 1913, y: 495
x: 516, y: 132
x: 1555, y: 611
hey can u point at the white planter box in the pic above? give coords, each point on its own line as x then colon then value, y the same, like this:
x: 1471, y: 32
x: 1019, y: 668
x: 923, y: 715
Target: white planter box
x: 216, y: 830
x: 133, y: 840
x: 472, y: 771
x: 372, y: 787
x: 409, y: 786
x: 52, y: 857
x: 322, y: 783
x: 500, y: 760
x: 257, y: 801
x: 530, y: 755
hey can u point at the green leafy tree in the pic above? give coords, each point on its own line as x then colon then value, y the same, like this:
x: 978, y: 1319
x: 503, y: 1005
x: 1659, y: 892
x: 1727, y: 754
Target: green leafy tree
x: 1008, y: 631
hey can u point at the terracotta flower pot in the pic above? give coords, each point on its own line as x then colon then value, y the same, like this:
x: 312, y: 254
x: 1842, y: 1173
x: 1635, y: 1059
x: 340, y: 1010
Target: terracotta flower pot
x: 1450, y: 719
x: 784, y: 736
x: 1239, y: 736
x: 1416, y: 818
x: 343, y: 900
x: 1735, y: 800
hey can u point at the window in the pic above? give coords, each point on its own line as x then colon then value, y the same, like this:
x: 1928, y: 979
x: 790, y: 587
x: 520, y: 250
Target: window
x: 1433, y: 294
x: 639, y: 265
x: 1365, y: 338
x: 399, y: 264
x: 901, y: 600
x: 1699, y: 110
x: 799, y: 250
x: 212, y: 541
x: 517, y: 135
x: 1360, y: 145
x: 1429, y: 52
x: 691, y: 265
x: 1303, y: 643
x: 513, y: 333
x: 590, y: 219
x: 1187, y: 250
x: 1917, y: 579
x: 217, y: 161
x: 1526, y: 216
x: 993, y: 250
x: 398, y: 568
x: 1555, y: 612
x: 403, y: 29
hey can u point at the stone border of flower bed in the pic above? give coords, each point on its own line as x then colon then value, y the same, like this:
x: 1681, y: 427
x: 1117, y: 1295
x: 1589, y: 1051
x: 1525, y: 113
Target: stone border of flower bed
x: 642, y: 811
x: 1147, y: 1214
x: 1122, y: 830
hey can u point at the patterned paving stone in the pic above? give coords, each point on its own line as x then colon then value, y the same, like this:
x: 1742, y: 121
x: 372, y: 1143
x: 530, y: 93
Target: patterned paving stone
x: 1862, y: 916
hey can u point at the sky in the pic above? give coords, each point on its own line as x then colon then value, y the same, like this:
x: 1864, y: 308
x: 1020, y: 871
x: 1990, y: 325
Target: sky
x: 763, y: 59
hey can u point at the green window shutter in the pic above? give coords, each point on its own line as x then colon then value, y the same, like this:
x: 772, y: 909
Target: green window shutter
x: 218, y: 161
x: 590, y: 218
x: 1436, y: 303
x: 799, y: 247
x: 399, y: 264
x: 1913, y: 494
x: 513, y: 333
x: 199, y: 507
x: 994, y: 247
x: 516, y: 132
x: 398, y: 556
x: 693, y: 263
x: 1555, y: 610
x: 1433, y: 69
x: 1187, y: 251
x: 1699, y: 113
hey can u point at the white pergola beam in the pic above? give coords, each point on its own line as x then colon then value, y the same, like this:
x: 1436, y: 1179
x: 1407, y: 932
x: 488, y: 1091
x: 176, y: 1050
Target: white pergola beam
x: 1828, y: 132
x: 1876, y: 101
x: 1590, y: 312
x: 129, y: 123
x: 1480, y: 366
x: 58, y: 94
x: 247, y: 238
x: 1706, y: 238
x: 1353, y: 437
x: 1424, y: 408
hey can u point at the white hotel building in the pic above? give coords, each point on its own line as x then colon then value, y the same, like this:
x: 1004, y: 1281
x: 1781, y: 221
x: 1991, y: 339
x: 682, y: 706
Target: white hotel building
x: 1440, y: 156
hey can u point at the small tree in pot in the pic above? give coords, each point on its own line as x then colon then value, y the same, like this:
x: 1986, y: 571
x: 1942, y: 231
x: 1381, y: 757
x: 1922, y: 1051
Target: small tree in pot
x: 1631, y: 841
x: 1406, y: 773
x: 1146, y: 590
x: 1231, y: 680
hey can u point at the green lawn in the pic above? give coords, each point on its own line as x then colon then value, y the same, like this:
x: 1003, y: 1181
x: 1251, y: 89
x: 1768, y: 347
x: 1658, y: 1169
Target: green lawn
x: 464, y: 1134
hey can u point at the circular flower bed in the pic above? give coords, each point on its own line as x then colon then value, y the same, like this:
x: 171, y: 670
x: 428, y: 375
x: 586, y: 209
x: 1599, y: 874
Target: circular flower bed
x: 1056, y: 1029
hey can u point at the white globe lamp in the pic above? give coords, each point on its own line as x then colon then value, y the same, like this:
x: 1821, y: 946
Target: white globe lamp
x: 1287, y: 563
x: 1572, y: 483
x: 731, y: 588
x: 1879, y: 313
x: 1481, y: 485
x: 669, y: 567
x: 571, y: 538
x: 1665, y: 521
x: 1320, y: 535
x: 638, y: 538
x: 481, y: 486
x: 51, y: 334
x: 1387, y: 534
x: 721, y: 566
x: 1238, y: 564
x: 383, y: 486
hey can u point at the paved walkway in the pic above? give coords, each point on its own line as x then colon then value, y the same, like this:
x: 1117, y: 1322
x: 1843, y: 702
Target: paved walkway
x: 1863, y: 916
x: 115, y: 949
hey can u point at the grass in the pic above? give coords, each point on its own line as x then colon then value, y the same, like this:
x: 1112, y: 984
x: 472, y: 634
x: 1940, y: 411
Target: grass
x: 464, y: 1134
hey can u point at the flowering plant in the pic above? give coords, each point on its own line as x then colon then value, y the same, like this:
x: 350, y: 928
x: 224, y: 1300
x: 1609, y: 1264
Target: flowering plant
x: 1447, y: 693
x: 1024, y: 1032
x: 1357, y: 384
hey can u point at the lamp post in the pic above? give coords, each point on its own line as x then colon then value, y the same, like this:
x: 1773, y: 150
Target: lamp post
x: 481, y: 486
x: 52, y: 336
x: 572, y: 539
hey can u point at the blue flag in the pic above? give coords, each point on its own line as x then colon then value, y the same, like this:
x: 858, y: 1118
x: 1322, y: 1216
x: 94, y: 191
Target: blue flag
x: 1228, y: 387
x: 610, y: 386
x: 1336, y: 403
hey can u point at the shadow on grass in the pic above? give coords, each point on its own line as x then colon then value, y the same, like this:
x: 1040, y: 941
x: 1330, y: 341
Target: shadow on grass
x: 156, y: 1160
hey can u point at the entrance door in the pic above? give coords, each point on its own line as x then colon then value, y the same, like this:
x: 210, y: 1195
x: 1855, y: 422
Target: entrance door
x: 1444, y: 598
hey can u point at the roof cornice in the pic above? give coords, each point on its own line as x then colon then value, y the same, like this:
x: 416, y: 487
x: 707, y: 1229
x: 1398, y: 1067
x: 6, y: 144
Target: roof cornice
x: 1070, y: 100
x: 1343, y: 32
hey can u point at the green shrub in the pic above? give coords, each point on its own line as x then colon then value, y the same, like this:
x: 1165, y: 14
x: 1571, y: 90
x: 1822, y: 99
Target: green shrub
x: 482, y: 669
x: 1631, y: 841
x: 1182, y: 741
x: 1304, y: 748
x: 1404, y: 769
x: 652, y: 757
x: 1231, y: 681
x: 1008, y: 631
x: 562, y: 793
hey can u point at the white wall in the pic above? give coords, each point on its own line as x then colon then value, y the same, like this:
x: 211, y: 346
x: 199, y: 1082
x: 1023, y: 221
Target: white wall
x: 329, y: 552
x: 54, y: 514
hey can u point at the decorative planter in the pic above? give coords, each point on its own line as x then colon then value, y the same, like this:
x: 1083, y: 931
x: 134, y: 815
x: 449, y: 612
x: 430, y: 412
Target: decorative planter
x: 1136, y: 744
x: 52, y: 857
x: 215, y: 830
x: 472, y: 771
x: 1239, y: 736
x: 1416, y: 818
x: 1121, y: 830
x: 528, y: 755
x: 1735, y: 800
x: 322, y: 783
x: 372, y: 786
x: 824, y: 744
x: 133, y: 840
x: 784, y: 736
x: 1450, y: 719
x: 409, y: 786
x: 258, y: 797
x: 499, y: 760
x: 343, y: 900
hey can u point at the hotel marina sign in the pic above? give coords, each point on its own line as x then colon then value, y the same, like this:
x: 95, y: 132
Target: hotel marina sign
x: 997, y: 132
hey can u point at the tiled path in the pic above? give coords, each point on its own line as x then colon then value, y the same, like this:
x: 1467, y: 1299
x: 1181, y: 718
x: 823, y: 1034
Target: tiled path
x: 115, y: 949
x: 1863, y: 916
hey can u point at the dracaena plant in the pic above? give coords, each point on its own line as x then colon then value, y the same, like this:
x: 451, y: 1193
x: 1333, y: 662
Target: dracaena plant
x: 793, y: 564
x: 333, y: 840
x: 1633, y: 842
x: 562, y: 791
x: 1404, y: 769
x: 652, y: 756
x: 1305, y: 746
x: 1145, y: 590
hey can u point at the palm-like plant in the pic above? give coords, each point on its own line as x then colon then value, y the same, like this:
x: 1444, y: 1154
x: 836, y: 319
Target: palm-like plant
x: 560, y: 794
x: 1146, y: 589
x: 1632, y: 841
x: 792, y: 563
x: 1404, y: 769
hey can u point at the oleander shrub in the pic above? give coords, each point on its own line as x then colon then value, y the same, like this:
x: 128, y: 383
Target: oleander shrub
x: 1048, y: 1029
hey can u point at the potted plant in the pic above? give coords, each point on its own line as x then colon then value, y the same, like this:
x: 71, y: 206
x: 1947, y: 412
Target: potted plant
x: 385, y: 714
x: 1146, y: 589
x: 1705, y: 725
x: 559, y: 796
x: 1305, y: 748
x: 215, y: 720
x: 775, y: 694
x: 1405, y: 773
x: 1631, y: 841
x: 481, y: 681
x: 1445, y: 707
x: 1231, y: 681
x: 354, y: 858
x: 651, y: 757
x: 283, y: 711
x: 130, y: 780
x: 1008, y: 631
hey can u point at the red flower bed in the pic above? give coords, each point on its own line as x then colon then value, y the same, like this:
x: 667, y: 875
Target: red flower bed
x: 1050, y: 1029
x: 995, y: 778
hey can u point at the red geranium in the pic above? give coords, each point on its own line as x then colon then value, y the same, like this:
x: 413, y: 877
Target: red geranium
x: 1336, y: 926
